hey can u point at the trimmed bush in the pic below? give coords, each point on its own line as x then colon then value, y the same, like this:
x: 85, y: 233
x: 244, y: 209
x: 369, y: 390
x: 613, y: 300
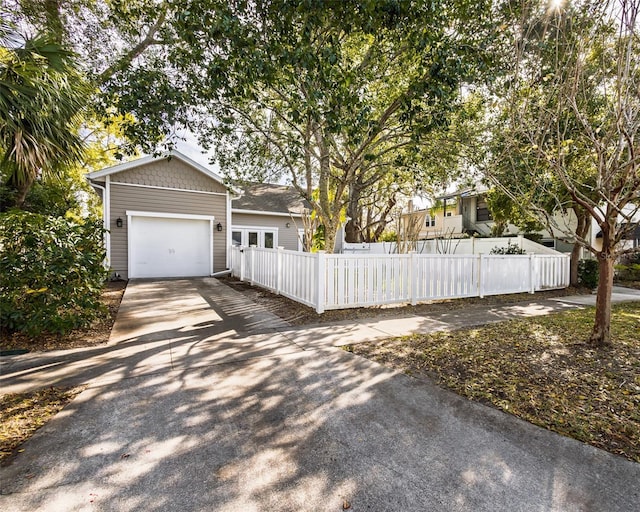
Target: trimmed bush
x: 588, y: 273
x: 52, y: 272
x: 509, y: 249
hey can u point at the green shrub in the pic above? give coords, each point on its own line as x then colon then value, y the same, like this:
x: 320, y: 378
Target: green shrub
x: 509, y: 249
x: 629, y: 272
x: 588, y: 273
x: 52, y: 272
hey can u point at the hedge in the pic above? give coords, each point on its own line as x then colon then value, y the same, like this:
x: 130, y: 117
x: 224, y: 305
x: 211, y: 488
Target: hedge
x: 51, y: 272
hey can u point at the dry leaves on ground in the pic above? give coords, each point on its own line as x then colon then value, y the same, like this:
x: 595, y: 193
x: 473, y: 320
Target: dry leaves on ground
x: 540, y: 370
x: 21, y: 414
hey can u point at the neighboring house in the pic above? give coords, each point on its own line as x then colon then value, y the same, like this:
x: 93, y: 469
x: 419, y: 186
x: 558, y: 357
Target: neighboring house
x: 437, y: 221
x: 465, y: 212
x: 173, y: 217
x: 268, y: 215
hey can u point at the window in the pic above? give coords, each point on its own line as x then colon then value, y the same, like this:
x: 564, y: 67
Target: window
x: 430, y: 222
x: 482, y: 211
x: 264, y: 237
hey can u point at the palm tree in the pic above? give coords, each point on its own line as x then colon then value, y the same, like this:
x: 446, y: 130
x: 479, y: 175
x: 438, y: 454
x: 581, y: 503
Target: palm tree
x: 42, y: 101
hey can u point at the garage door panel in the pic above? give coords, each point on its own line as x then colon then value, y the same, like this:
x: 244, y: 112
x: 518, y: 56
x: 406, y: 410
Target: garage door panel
x: 170, y: 247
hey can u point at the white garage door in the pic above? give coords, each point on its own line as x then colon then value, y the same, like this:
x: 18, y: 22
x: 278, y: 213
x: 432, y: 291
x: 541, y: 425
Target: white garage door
x: 169, y: 247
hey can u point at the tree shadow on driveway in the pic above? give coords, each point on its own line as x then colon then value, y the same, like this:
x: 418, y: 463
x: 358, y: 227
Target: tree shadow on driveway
x: 292, y: 430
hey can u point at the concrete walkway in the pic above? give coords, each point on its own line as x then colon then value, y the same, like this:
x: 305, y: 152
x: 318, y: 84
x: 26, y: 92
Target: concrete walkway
x: 205, y: 401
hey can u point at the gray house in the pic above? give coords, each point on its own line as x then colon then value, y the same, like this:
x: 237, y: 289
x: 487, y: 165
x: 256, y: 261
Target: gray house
x: 268, y: 215
x: 173, y: 217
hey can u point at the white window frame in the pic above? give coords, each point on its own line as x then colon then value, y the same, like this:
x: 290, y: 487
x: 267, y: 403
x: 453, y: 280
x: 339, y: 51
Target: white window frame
x: 261, y: 230
x: 430, y: 221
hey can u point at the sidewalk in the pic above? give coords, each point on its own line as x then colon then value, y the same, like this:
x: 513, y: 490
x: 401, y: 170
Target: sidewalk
x: 362, y: 330
x: 144, y: 343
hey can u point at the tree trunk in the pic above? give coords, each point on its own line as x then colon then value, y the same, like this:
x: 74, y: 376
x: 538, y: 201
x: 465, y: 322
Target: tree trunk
x: 352, y: 233
x: 581, y: 231
x: 601, y: 334
x: 353, y: 229
x: 574, y: 263
x: 330, y: 238
x: 22, y: 189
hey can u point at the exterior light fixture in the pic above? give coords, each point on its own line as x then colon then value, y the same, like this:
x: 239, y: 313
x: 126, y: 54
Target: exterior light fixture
x: 288, y: 225
x: 119, y: 222
x: 219, y: 227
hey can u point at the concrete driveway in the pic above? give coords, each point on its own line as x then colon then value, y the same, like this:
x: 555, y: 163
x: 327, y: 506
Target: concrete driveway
x: 204, y: 401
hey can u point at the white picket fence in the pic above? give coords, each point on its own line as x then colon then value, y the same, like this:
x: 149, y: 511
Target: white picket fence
x: 338, y: 281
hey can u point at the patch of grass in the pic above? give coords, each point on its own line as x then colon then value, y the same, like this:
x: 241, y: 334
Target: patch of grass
x: 21, y: 414
x: 539, y: 369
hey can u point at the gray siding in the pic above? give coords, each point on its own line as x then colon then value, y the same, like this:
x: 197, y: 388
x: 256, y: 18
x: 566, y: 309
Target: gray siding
x: 287, y: 237
x: 171, y: 173
x: 125, y: 197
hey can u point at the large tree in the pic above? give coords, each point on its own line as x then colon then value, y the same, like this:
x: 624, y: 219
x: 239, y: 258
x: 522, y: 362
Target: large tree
x: 42, y: 100
x: 571, y: 112
x: 343, y: 96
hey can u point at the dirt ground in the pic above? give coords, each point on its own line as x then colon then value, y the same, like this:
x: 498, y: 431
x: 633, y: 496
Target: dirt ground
x: 299, y: 314
x: 96, y: 334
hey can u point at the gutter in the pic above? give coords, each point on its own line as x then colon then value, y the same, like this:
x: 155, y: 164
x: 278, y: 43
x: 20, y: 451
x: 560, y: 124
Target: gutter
x: 105, y: 221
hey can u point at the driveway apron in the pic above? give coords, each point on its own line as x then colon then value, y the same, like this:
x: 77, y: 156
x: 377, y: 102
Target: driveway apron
x: 205, y: 401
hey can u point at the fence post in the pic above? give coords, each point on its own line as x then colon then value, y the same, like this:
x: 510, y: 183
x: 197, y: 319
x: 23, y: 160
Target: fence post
x: 413, y: 277
x: 242, y: 263
x: 279, y: 269
x: 252, y: 258
x: 532, y: 272
x: 480, y: 280
x: 321, y: 280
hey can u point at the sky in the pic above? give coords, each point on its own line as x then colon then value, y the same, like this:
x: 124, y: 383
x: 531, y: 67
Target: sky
x: 193, y: 150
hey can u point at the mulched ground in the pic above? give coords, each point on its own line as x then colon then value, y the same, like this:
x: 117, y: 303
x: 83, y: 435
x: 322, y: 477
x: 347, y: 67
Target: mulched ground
x: 299, y: 314
x: 96, y: 334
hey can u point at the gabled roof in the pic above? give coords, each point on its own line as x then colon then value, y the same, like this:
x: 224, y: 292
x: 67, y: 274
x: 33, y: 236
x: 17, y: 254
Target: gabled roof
x: 477, y: 189
x: 269, y: 198
x: 132, y: 164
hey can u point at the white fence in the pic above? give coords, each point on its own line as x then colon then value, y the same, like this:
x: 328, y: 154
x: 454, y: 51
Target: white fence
x: 473, y: 245
x: 337, y: 281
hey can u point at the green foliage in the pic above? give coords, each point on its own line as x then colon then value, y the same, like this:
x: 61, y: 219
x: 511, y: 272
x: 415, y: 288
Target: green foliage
x: 509, y: 249
x: 42, y: 100
x: 52, y: 272
x: 588, y: 273
x: 388, y: 236
x: 505, y: 210
x: 629, y: 268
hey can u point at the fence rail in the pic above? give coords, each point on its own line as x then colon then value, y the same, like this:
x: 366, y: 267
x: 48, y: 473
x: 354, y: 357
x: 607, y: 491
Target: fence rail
x: 338, y: 281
